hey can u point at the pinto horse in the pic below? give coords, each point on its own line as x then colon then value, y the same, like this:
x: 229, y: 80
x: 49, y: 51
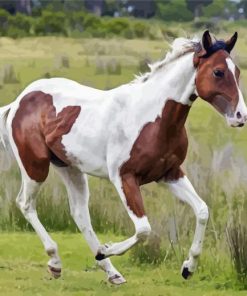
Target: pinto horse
x: 132, y: 135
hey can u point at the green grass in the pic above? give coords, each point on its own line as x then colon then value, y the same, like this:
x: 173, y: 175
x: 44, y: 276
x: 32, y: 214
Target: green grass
x: 23, y: 272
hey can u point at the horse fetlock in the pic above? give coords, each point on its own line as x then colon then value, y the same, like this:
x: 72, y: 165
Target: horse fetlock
x: 188, y: 268
x: 102, y: 252
x: 52, y: 250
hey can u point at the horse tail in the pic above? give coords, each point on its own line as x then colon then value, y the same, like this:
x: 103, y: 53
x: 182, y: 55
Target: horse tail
x: 6, y: 154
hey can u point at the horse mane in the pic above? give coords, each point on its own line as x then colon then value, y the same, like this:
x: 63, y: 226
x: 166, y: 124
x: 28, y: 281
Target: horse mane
x: 179, y: 47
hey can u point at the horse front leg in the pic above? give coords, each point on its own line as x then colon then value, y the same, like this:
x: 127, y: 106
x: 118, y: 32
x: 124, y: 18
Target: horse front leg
x: 129, y: 192
x: 184, y: 190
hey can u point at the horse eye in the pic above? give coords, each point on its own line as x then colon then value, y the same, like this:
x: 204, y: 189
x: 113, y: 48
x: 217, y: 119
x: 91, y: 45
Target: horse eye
x: 218, y: 73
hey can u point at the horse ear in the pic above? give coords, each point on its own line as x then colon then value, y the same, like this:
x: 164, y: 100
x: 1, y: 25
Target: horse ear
x: 231, y: 42
x: 206, y: 40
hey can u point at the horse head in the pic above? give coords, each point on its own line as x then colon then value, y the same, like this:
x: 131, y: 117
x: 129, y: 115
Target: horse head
x: 217, y: 78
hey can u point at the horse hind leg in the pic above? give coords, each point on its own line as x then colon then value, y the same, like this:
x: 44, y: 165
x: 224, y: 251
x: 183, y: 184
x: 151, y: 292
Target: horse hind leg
x: 26, y: 200
x: 34, y: 166
x: 78, y: 193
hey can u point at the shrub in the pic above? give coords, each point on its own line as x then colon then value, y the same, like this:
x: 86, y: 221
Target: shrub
x: 205, y: 23
x: 100, y: 67
x: 113, y: 67
x: 76, y: 21
x: 51, y: 22
x: 91, y: 21
x: 117, y: 26
x: 143, y: 65
x: 21, y: 22
x: 172, y: 10
x: 237, y: 240
x: 150, y: 252
x: 140, y: 29
x: 8, y: 74
x: 4, y: 16
x: 61, y: 61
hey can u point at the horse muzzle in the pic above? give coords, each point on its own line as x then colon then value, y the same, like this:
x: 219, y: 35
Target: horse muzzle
x: 238, y: 120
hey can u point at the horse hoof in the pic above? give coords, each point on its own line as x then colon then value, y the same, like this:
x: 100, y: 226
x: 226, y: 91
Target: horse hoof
x: 117, y: 279
x: 55, y: 272
x: 186, y: 274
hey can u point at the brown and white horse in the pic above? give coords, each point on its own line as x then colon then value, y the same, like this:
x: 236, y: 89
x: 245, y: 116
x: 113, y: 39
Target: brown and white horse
x: 132, y: 135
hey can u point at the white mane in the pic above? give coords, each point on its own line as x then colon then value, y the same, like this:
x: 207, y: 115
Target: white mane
x: 179, y: 47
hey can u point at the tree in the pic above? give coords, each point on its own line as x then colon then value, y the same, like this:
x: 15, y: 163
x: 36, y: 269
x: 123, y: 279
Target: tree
x: 223, y: 8
x: 196, y: 6
x: 173, y: 10
x: 243, y: 6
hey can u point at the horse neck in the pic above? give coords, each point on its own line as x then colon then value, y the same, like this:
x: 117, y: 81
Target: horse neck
x: 176, y: 81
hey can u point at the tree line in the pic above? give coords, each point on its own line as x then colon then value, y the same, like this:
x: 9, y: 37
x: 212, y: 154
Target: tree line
x: 176, y: 10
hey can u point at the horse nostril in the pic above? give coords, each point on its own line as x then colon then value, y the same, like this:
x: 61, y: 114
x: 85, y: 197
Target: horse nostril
x: 239, y: 115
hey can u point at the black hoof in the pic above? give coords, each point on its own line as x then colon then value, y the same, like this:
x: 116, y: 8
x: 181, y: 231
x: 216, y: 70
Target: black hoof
x: 100, y: 257
x: 186, y: 274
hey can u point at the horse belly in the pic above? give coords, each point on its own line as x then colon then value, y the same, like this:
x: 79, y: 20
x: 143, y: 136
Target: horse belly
x: 85, y: 145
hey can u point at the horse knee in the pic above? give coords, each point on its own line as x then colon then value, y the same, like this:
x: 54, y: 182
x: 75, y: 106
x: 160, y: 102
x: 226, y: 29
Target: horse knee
x: 143, y: 228
x: 25, y: 207
x: 144, y: 232
x: 203, y: 214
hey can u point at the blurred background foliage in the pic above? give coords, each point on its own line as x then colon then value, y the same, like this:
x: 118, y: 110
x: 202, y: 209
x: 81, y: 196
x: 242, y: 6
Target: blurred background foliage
x: 109, y: 18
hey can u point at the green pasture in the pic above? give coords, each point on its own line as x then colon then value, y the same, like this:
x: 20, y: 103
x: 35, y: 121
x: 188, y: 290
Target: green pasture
x: 23, y: 272
x: 216, y: 165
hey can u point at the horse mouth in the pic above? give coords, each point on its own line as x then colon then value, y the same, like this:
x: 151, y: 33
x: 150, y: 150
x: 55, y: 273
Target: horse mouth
x: 238, y: 124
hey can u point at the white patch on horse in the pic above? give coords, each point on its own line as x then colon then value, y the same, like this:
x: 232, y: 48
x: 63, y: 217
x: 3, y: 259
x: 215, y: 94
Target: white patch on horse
x: 241, y: 107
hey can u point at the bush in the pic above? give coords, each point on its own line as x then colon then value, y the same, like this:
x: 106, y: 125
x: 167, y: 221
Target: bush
x: 8, y: 74
x: 111, y: 67
x: 117, y: 26
x: 173, y: 10
x: 21, y: 22
x: 76, y: 21
x: 50, y: 23
x: 143, y: 65
x: 4, y: 16
x: 150, y: 252
x: 76, y: 24
x: 204, y: 23
x: 237, y: 239
x: 140, y: 29
x: 61, y: 61
x: 91, y: 21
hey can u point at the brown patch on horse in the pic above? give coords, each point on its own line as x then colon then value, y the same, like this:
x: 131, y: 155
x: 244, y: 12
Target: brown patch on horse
x: 222, y: 93
x: 157, y: 153
x: 37, y: 131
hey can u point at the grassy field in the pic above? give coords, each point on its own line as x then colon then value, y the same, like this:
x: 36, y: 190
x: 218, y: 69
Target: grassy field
x: 216, y: 165
x: 23, y: 272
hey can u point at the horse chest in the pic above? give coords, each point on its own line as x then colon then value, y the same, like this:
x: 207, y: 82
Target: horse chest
x: 159, y: 149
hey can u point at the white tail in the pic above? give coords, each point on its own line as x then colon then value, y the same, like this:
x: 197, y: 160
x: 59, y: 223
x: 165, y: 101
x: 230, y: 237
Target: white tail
x: 6, y: 154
